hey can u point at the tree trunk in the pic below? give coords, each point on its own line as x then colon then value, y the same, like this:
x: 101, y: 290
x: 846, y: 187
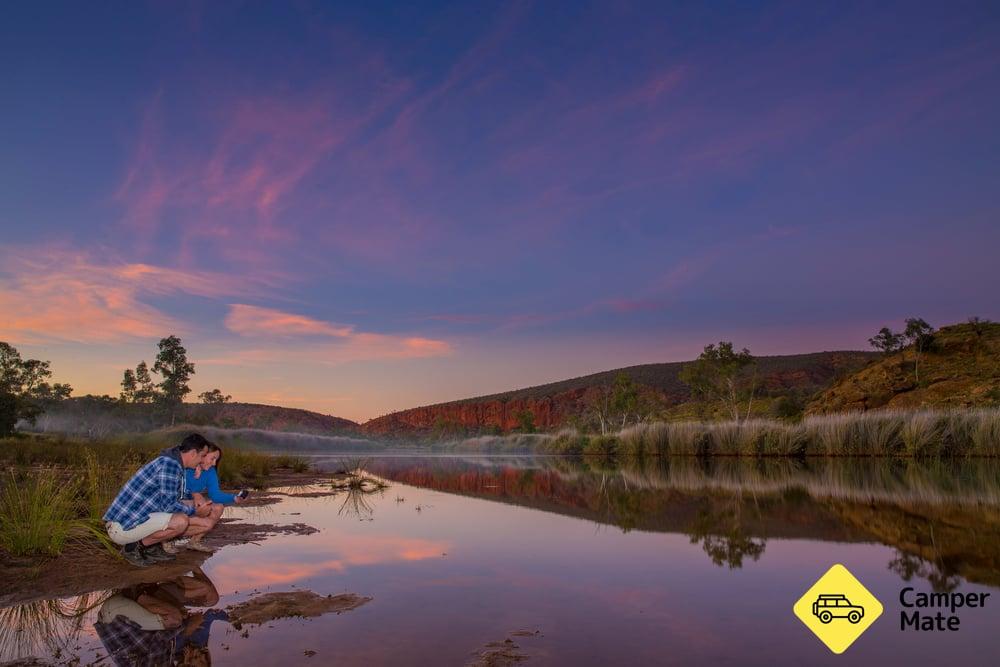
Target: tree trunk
x: 753, y: 387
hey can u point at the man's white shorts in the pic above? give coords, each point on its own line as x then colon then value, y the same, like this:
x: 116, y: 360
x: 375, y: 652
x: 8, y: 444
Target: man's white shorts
x: 157, y: 521
x: 119, y: 605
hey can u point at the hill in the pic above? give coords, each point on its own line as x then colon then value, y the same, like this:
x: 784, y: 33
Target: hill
x: 565, y: 402
x: 100, y: 416
x: 961, y: 369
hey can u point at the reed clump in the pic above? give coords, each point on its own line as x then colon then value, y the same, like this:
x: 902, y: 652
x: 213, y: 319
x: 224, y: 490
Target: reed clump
x: 37, y: 515
x: 885, y: 433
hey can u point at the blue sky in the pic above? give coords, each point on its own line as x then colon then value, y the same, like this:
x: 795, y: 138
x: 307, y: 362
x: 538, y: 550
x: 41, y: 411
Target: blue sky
x: 363, y: 207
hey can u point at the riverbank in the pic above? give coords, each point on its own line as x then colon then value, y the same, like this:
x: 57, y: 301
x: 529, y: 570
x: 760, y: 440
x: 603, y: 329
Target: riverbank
x: 84, y: 566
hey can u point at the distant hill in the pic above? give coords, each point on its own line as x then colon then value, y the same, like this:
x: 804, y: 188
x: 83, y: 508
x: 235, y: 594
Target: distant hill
x: 100, y: 416
x: 962, y: 369
x: 559, y: 403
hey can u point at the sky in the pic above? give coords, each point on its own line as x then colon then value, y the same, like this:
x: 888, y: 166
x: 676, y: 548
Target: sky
x: 356, y: 208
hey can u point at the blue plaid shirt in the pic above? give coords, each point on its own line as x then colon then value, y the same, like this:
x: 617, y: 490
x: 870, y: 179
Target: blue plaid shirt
x: 131, y: 646
x: 157, y: 487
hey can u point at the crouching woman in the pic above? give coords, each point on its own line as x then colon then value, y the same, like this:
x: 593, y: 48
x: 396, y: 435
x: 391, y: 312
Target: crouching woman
x: 202, y: 489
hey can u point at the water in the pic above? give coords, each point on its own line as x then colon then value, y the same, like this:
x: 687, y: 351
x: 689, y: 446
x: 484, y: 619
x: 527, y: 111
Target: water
x: 680, y: 562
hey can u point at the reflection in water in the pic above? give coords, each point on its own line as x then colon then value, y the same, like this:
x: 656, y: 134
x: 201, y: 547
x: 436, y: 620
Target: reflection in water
x: 150, y: 624
x: 722, y: 537
x: 463, y: 551
x: 45, y: 626
x: 357, y: 487
x: 942, y: 517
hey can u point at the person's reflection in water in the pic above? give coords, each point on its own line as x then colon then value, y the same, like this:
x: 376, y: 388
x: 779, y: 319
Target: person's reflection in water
x: 150, y: 625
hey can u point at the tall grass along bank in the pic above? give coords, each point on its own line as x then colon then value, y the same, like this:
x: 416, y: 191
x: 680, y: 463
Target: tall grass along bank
x: 55, y: 491
x: 899, y: 434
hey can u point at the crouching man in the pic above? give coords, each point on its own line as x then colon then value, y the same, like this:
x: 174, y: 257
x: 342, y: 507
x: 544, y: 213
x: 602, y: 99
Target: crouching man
x: 149, y: 510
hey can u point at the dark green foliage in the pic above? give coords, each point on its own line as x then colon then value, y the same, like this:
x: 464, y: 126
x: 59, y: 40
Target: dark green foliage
x: 138, y: 386
x: 602, y: 445
x: 568, y: 443
x: 887, y: 341
x: 787, y: 407
x: 24, y: 384
x: 173, y: 366
x: 8, y: 414
x: 720, y: 374
x: 526, y: 421
x: 146, y: 391
x: 994, y: 395
x: 214, y: 397
x: 920, y: 336
x: 129, y: 386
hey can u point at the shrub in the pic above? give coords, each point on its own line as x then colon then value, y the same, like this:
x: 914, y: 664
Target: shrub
x: 602, y: 445
x: 36, y: 514
x: 787, y: 407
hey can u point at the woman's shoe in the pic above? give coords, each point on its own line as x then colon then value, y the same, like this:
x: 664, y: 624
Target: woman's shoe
x: 196, y: 545
x: 171, y: 547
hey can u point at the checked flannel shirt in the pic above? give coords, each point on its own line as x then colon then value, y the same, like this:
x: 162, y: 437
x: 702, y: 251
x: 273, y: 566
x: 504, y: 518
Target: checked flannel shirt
x: 131, y: 646
x: 157, y: 487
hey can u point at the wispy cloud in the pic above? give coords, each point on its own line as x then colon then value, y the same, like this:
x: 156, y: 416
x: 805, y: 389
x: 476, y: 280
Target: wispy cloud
x: 223, y: 174
x: 55, y: 293
x: 256, y: 321
x: 320, y: 341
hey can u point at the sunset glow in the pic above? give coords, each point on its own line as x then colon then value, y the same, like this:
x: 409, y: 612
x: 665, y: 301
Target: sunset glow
x: 362, y: 209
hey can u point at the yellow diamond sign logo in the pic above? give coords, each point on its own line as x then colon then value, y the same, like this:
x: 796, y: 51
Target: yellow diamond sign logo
x: 838, y: 609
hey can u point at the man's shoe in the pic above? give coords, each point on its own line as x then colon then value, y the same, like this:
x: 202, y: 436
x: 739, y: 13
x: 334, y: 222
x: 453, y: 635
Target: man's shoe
x: 156, y: 554
x: 136, y: 557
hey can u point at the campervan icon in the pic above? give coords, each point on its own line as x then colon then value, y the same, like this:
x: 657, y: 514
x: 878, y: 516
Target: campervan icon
x: 828, y: 607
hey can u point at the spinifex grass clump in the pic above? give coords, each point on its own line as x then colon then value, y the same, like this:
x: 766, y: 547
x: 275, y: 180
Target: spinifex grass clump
x: 37, y: 514
x: 352, y: 474
x: 641, y: 440
x: 920, y: 435
x: 883, y: 433
x: 985, y: 432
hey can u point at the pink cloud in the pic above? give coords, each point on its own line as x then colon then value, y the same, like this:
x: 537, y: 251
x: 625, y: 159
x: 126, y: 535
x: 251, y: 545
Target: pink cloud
x: 238, y: 167
x: 54, y: 293
x: 348, y: 344
x: 254, y: 320
x: 346, y: 550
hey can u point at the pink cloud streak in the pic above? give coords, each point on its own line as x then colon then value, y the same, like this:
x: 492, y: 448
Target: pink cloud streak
x: 348, y: 344
x: 51, y: 293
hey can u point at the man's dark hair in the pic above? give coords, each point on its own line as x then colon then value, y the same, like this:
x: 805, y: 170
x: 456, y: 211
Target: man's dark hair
x: 193, y: 441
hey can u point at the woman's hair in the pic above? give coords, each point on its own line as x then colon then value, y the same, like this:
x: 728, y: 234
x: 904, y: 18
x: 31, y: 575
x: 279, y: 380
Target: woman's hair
x: 212, y: 447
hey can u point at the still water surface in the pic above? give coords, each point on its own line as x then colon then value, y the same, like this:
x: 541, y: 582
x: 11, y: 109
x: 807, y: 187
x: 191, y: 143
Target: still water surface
x: 677, y: 562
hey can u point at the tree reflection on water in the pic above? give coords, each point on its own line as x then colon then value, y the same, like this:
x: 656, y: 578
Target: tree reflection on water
x: 941, y: 517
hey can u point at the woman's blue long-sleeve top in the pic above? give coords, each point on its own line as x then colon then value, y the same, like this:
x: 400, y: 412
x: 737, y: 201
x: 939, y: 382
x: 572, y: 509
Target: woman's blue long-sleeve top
x: 208, y: 484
